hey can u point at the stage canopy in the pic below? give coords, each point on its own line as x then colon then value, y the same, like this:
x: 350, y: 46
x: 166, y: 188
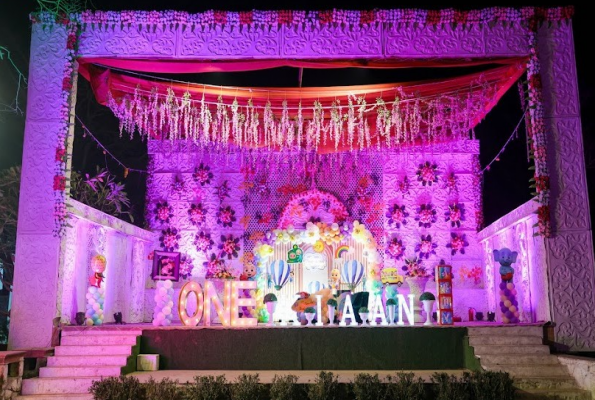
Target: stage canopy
x: 312, y: 119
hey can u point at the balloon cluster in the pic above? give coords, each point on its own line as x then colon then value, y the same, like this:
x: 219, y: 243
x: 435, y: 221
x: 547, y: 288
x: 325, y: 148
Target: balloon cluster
x: 163, y: 303
x: 508, y: 303
x: 95, y: 298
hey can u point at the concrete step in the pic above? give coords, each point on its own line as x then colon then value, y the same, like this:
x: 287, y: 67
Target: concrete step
x: 79, y: 396
x: 99, y: 332
x: 98, y: 340
x: 87, y: 361
x: 70, y: 372
x: 562, y: 394
x: 513, y: 341
x: 523, y: 359
x: 529, y: 383
x: 113, y: 350
x: 480, y: 349
x: 520, y: 370
x: 505, y: 331
x: 58, y: 385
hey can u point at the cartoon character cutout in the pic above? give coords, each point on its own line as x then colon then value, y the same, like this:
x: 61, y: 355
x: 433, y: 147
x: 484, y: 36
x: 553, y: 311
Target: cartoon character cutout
x: 506, y: 258
x: 98, y: 263
x: 249, y: 272
x: 335, y: 281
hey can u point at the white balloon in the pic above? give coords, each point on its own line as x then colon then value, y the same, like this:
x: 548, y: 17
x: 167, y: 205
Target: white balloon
x: 166, y: 310
x: 170, y: 304
x: 162, y: 291
x: 168, y: 284
x: 89, y: 296
x: 157, y: 297
x: 167, y: 322
x: 155, y: 322
x: 101, y: 290
x: 160, y: 315
x: 89, y: 322
x: 96, y: 306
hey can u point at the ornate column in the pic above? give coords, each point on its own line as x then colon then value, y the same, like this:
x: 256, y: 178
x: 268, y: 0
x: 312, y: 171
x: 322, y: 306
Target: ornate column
x: 570, y: 250
x: 38, y: 250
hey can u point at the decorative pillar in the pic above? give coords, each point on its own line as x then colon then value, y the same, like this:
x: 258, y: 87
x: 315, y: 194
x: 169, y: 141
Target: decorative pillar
x: 37, y: 249
x: 570, y: 249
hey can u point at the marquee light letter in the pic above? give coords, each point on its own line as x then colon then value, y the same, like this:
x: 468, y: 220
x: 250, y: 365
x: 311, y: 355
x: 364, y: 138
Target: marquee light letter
x: 408, y: 309
x: 211, y: 298
x: 237, y: 302
x: 319, y: 310
x: 348, y: 312
x: 378, y: 312
x: 190, y: 287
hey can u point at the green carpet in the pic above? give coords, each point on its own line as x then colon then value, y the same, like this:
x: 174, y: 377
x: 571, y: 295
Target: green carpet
x: 407, y: 348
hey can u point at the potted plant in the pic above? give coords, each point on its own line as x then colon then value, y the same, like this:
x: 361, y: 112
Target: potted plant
x: 363, y: 314
x: 331, y: 305
x: 310, y: 313
x: 428, y: 299
x: 270, y: 301
x: 390, y: 308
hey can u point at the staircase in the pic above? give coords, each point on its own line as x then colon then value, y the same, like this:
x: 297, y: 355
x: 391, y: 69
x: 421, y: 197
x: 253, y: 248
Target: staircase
x: 84, y: 356
x: 519, y: 350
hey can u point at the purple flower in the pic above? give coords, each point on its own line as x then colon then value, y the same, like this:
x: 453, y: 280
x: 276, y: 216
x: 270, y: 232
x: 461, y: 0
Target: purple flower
x: 455, y: 214
x: 426, y: 247
x: 427, y: 173
x: 426, y: 215
x: 163, y: 212
x: 186, y: 266
x: 226, y: 216
x: 169, y: 239
x: 212, y: 265
x: 229, y: 246
x: 457, y: 243
x: 395, y: 248
x: 397, y: 215
x: 203, y: 242
x: 202, y: 174
x: 197, y: 214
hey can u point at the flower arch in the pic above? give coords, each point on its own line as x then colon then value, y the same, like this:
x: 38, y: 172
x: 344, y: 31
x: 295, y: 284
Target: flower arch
x: 312, y: 206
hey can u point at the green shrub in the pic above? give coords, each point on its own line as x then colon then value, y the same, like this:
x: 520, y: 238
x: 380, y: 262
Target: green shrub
x: 368, y: 387
x: 165, y: 389
x: 325, y: 387
x: 489, y: 385
x: 449, y: 387
x: 207, y: 388
x: 427, y: 296
x: 269, y: 297
x: 391, y: 302
x: 404, y: 386
x: 286, y: 388
x: 118, y: 388
x: 331, y: 302
x: 247, y: 387
x: 363, y: 310
x: 310, y: 310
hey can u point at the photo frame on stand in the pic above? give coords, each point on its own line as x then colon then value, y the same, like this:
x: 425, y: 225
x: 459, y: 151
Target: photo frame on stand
x: 166, y: 265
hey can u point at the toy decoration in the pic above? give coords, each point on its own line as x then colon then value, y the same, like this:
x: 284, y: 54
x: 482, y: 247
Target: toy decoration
x: 249, y: 273
x: 98, y: 263
x: 508, y: 302
x: 341, y: 250
x: 352, y: 273
x: 335, y: 281
x: 279, y: 272
x: 295, y: 255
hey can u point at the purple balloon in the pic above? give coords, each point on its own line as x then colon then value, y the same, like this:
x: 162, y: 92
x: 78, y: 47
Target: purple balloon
x: 501, y: 304
x: 515, y: 303
x: 506, y: 292
x: 509, y: 315
x: 503, y: 309
x: 502, y: 285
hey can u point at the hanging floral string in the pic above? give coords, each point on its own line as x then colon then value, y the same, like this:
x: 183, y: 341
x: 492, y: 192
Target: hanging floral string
x: 410, y: 120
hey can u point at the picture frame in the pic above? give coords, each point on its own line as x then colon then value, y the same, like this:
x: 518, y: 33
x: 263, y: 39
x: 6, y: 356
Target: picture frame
x: 166, y: 265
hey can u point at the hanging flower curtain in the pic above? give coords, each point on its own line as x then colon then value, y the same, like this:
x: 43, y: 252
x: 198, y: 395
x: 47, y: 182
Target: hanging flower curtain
x: 322, y: 120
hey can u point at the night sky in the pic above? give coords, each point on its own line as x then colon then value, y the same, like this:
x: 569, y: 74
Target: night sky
x: 505, y: 186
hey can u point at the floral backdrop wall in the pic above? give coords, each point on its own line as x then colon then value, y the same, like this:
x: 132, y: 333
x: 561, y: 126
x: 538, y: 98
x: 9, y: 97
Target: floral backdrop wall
x: 424, y: 204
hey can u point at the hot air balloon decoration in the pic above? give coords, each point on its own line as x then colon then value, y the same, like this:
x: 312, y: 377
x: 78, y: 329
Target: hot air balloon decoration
x: 315, y: 286
x: 352, y: 273
x: 279, y: 272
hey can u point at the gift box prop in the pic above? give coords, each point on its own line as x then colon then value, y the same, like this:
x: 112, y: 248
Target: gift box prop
x: 444, y: 290
x: 508, y: 301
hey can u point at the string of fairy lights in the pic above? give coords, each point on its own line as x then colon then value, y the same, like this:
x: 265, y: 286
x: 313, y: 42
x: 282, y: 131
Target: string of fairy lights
x: 127, y: 170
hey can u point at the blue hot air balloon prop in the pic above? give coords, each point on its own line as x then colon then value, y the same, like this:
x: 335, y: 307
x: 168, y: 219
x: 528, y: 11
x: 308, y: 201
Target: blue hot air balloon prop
x: 279, y: 271
x: 352, y: 273
x: 315, y: 286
